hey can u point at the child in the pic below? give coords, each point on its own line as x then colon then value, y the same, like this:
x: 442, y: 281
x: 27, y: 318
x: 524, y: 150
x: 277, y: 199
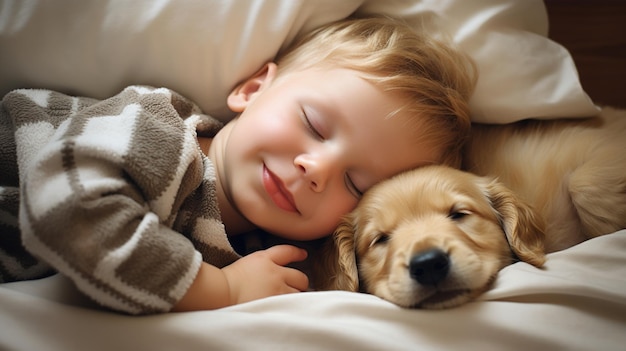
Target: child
x: 120, y: 196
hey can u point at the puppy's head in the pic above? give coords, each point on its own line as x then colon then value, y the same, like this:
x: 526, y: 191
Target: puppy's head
x: 433, y: 237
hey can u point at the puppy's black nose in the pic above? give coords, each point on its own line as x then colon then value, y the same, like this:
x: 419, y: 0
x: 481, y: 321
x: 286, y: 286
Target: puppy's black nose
x: 429, y: 267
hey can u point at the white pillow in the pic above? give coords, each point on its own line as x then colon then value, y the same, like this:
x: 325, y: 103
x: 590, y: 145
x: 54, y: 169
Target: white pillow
x: 202, y: 48
x: 522, y: 73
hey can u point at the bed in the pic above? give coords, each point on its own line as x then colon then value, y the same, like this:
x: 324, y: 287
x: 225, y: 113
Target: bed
x: 203, y: 47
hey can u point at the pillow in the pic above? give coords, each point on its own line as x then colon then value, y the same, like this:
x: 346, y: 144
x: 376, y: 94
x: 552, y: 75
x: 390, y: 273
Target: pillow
x: 202, y: 48
x: 522, y: 73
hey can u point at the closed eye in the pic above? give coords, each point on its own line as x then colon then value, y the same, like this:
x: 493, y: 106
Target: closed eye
x: 380, y: 239
x: 457, y: 215
x: 309, y: 126
x: 352, y: 188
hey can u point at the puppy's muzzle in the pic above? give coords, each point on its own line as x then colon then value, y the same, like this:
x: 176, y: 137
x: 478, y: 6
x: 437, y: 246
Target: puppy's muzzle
x: 429, y: 267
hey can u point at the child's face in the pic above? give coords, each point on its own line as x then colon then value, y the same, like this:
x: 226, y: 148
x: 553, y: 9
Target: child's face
x: 306, y: 145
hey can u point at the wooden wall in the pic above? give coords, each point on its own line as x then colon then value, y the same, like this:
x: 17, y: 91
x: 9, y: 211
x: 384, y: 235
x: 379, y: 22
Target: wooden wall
x: 594, y: 31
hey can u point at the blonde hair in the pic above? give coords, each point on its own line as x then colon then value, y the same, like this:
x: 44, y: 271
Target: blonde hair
x: 434, y: 79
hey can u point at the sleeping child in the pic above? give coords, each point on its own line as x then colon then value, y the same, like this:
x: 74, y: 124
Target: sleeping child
x: 134, y: 198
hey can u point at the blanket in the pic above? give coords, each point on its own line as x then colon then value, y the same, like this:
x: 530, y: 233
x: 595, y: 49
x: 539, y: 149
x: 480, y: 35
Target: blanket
x: 577, y: 302
x: 114, y: 194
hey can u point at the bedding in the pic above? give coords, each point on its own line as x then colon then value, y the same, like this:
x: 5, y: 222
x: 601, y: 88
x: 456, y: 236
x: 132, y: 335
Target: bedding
x: 96, y: 48
x: 577, y: 302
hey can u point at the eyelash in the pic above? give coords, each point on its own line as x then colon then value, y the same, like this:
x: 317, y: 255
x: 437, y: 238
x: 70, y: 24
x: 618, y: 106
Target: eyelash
x: 353, y: 189
x: 309, y: 126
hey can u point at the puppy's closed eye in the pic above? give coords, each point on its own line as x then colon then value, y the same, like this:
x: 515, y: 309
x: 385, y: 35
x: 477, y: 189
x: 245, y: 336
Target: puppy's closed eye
x: 380, y: 239
x: 457, y: 214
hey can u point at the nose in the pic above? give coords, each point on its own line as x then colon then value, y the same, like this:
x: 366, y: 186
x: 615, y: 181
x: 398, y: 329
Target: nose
x: 429, y: 267
x: 315, y: 169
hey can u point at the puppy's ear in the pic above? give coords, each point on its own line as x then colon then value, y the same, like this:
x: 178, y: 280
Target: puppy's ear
x: 523, y: 227
x: 335, y: 268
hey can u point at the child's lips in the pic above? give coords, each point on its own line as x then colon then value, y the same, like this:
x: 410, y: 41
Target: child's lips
x: 277, y: 191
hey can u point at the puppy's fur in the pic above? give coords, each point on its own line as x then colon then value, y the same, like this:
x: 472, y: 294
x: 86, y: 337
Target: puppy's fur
x: 436, y: 237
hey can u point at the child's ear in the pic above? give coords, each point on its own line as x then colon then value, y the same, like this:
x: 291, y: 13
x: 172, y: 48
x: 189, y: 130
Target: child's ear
x: 243, y: 94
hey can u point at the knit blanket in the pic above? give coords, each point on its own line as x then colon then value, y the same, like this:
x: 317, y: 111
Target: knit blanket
x: 115, y: 194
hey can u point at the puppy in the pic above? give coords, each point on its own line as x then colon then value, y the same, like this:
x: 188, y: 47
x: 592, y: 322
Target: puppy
x: 436, y: 237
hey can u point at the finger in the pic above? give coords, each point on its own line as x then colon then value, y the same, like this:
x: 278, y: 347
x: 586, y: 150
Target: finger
x: 296, y: 279
x: 285, y: 254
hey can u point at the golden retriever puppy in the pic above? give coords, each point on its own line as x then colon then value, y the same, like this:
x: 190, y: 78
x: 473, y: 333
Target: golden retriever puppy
x: 436, y: 237
x: 433, y: 237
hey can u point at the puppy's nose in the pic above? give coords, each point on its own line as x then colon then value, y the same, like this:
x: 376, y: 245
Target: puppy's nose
x: 429, y: 267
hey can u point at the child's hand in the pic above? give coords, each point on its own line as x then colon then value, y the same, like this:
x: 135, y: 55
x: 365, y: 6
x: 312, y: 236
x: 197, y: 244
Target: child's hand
x: 262, y: 274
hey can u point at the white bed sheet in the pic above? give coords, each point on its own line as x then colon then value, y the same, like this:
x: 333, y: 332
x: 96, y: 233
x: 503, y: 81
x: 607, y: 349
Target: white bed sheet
x: 578, y: 302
